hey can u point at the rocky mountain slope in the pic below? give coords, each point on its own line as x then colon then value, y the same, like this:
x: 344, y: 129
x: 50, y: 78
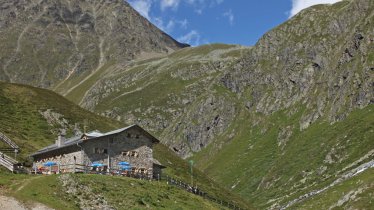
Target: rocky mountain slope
x: 61, y: 44
x: 320, y: 61
x: 272, y: 122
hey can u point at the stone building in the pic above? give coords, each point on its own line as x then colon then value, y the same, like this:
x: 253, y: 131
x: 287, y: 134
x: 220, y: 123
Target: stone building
x: 131, y: 144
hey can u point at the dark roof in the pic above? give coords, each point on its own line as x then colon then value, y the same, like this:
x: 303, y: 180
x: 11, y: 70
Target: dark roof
x: 92, y: 135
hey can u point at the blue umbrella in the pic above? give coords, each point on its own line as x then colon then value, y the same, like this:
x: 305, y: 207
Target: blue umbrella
x: 123, y: 163
x: 126, y: 168
x: 96, y: 164
x: 49, y: 163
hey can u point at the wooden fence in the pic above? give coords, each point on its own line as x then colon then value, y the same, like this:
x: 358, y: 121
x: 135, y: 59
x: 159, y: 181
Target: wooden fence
x: 8, y: 141
x: 8, y: 162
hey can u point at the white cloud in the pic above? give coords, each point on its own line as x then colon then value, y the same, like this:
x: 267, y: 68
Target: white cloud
x: 230, y: 16
x: 169, y: 4
x: 170, y: 25
x: 219, y: 1
x: 142, y: 6
x: 183, y: 23
x: 200, y: 5
x: 298, y: 5
x: 192, y: 38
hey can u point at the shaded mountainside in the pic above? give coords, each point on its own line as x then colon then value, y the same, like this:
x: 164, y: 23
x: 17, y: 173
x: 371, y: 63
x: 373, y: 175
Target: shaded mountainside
x: 32, y: 118
x: 59, y: 44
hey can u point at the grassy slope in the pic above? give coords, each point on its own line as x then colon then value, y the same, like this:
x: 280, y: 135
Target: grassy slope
x: 22, y: 122
x: 176, y: 167
x: 255, y: 166
x: 138, y: 194
x: 359, y: 191
x: 144, y: 194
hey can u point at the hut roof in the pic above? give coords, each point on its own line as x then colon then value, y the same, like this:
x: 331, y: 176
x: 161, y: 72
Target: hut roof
x: 92, y: 135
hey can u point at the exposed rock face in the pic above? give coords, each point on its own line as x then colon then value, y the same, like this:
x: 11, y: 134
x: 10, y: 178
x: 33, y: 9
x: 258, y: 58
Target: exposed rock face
x: 84, y: 196
x: 56, y: 44
x: 322, y: 59
x: 210, y: 118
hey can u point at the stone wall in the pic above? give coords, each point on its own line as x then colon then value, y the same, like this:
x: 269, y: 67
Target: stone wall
x: 64, y: 158
x: 117, y: 145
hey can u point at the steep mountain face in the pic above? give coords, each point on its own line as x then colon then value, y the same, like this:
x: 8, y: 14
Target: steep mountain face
x: 304, y: 115
x: 322, y: 59
x: 272, y: 122
x: 59, y: 44
x: 178, y: 97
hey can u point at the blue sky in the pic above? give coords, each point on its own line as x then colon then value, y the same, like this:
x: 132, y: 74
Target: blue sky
x: 198, y: 22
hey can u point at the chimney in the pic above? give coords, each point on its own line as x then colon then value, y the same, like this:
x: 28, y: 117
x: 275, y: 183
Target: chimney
x: 61, y: 138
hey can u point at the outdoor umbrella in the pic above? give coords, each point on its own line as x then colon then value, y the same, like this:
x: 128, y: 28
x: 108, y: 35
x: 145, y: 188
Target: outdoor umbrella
x: 49, y: 163
x: 123, y: 163
x: 126, y: 168
x: 96, y: 164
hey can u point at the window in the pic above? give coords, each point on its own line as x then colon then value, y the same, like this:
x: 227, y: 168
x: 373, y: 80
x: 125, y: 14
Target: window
x: 130, y: 153
x: 100, y: 151
x: 111, y: 140
x: 128, y: 135
x: 137, y: 136
x: 134, y: 154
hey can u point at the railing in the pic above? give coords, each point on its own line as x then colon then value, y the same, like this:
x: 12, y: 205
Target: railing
x: 8, y: 141
x: 197, y: 191
x: 7, y: 162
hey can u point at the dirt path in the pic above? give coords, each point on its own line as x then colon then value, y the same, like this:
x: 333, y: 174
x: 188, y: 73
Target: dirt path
x: 26, y: 182
x: 13, y: 204
x: 10, y: 203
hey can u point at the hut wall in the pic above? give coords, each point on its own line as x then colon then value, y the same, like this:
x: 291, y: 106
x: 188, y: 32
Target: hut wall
x: 64, y: 159
x: 131, y: 146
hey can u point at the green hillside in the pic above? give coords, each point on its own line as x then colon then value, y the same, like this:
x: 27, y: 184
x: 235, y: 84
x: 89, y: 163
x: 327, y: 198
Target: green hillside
x: 343, y: 197
x: 98, y: 191
x: 22, y: 121
x: 261, y: 166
